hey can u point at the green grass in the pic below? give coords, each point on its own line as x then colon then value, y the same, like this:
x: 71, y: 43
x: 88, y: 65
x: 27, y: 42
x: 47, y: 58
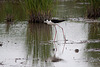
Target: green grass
x: 93, y: 10
x: 94, y: 3
x: 38, y: 5
x: 12, y: 10
x: 38, y: 9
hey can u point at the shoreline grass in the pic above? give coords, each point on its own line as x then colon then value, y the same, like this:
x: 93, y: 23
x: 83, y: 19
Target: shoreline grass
x: 93, y: 10
x: 38, y: 10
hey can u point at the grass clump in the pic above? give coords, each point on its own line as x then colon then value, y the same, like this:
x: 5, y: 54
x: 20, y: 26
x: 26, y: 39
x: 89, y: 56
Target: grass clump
x: 93, y: 10
x: 8, y: 10
x: 38, y: 10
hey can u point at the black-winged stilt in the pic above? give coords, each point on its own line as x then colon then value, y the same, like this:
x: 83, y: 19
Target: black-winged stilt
x: 53, y: 22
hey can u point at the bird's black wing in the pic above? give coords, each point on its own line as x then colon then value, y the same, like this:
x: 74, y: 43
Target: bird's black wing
x: 56, y: 20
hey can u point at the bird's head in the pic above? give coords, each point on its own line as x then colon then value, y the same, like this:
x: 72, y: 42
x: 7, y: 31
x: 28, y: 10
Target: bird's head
x: 46, y: 21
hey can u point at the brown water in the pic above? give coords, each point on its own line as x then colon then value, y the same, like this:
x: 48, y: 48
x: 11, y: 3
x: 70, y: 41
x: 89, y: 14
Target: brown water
x: 32, y: 45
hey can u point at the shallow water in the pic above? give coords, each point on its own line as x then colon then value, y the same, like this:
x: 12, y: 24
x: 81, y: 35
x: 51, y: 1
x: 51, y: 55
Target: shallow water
x: 32, y: 45
x: 24, y: 44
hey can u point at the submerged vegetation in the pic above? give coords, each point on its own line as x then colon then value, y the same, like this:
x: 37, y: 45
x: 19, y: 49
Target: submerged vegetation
x: 38, y: 10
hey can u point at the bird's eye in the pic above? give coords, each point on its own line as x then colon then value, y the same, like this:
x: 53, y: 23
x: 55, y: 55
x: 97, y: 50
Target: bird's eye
x: 45, y: 19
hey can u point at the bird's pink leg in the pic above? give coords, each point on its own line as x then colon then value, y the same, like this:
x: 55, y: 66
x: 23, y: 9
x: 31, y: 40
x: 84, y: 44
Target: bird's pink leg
x: 55, y: 37
x: 63, y: 36
x: 63, y: 32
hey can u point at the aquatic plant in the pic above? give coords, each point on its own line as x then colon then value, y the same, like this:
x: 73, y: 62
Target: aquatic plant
x: 11, y: 11
x: 38, y: 10
x: 93, y: 10
x: 8, y: 9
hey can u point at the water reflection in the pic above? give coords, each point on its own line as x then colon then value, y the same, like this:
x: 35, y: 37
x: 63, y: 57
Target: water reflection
x: 25, y: 44
x: 8, y: 25
x: 39, y: 49
x: 92, y: 54
x: 12, y: 44
x: 94, y: 30
x: 74, y: 32
x: 31, y: 44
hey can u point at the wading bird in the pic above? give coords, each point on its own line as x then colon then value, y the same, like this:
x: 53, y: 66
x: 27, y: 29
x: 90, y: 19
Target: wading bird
x: 53, y: 23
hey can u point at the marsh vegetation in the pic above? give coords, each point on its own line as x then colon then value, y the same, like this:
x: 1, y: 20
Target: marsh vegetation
x: 92, y: 8
x: 38, y: 10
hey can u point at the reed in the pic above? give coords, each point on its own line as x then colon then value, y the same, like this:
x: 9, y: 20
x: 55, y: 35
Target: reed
x: 10, y: 12
x: 8, y: 9
x: 38, y: 10
x: 93, y: 10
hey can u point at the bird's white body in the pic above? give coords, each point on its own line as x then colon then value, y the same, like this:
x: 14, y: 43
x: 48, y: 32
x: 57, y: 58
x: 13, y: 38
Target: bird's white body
x: 49, y: 22
x: 53, y: 23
